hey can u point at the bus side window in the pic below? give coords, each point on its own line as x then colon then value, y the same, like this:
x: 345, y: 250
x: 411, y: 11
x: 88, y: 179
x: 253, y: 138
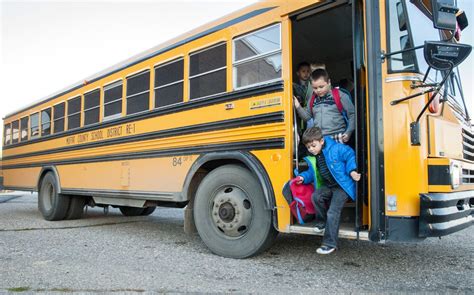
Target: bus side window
x: 34, y: 128
x: 138, y: 92
x: 91, y: 107
x: 257, y: 57
x: 58, y: 116
x: 46, y: 122
x: 74, y: 113
x: 7, y: 135
x: 15, y: 131
x: 169, y: 80
x: 113, y: 100
x: 207, y: 72
x: 24, y: 128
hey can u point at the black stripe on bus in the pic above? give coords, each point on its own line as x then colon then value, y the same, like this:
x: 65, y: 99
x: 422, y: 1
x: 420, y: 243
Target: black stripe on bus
x: 181, y: 107
x: 276, y: 143
x: 158, y: 52
x: 206, y: 127
x: 439, y: 175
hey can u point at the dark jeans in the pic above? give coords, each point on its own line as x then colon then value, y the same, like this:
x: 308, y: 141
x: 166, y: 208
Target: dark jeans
x: 328, y: 203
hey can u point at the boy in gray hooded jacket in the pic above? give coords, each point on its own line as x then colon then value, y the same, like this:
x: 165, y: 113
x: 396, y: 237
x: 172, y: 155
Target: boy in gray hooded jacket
x: 324, y: 110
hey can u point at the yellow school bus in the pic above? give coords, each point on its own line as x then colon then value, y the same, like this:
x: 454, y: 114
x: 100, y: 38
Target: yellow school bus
x: 205, y: 122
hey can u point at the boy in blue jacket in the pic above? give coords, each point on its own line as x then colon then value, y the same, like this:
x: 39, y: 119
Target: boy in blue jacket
x: 333, y: 163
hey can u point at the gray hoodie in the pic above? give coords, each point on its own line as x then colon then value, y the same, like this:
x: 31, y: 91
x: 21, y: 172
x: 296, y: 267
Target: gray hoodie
x: 326, y: 115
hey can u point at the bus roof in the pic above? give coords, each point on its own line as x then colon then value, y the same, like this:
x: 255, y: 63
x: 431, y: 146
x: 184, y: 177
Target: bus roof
x: 204, y: 30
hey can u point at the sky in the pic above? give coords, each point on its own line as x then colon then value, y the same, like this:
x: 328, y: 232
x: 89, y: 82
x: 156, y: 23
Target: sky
x: 46, y: 46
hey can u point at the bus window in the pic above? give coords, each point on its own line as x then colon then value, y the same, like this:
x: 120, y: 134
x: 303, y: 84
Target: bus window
x: 207, y: 74
x: 59, y: 111
x: 91, y: 107
x: 169, y: 83
x: 15, y: 131
x: 34, y: 128
x: 7, y: 134
x: 24, y: 129
x: 46, y: 122
x: 113, y: 100
x: 257, y: 57
x: 138, y: 92
x: 74, y: 113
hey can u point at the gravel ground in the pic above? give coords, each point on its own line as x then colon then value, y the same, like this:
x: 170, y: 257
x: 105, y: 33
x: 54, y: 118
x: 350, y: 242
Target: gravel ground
x: 104, y: 254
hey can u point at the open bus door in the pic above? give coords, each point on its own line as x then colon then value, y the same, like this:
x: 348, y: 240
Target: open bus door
x: 340, y: 46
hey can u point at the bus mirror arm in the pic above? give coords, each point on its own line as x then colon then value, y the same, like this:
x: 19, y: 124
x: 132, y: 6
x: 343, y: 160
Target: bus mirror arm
x: 415, y: 126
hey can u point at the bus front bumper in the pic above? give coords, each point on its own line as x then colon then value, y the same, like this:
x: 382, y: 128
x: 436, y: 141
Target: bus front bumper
x: 445, y: 213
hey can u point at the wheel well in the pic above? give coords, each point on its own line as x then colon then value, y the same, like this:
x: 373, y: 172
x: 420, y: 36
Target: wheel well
x: 43, y: 173
x: 203, y: 171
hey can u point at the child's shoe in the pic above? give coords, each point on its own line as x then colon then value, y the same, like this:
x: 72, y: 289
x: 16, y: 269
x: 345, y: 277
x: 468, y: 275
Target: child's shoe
x: 319, y: 228
x: 325, y: 250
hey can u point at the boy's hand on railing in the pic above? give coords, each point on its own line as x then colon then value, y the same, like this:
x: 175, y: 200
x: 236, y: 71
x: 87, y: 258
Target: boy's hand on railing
x: 297, y: 103
x: 345, y: 137
x: 355, y: 176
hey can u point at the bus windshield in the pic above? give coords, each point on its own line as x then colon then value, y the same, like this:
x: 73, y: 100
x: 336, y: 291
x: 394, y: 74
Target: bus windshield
x: 422, y: 30
x: 410, y: 27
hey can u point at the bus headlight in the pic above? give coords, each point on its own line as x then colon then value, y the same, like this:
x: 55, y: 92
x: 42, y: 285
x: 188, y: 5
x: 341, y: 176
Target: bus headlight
x: 455, y: 171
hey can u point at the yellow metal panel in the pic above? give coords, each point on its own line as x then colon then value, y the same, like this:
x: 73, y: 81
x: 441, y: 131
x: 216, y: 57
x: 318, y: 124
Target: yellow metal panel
x: 147, y: 175
x: 278, y: 167
x: 25, y: 178
x: 445, y: 138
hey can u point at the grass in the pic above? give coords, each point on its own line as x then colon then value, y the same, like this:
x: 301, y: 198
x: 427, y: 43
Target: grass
x: 19, y: 289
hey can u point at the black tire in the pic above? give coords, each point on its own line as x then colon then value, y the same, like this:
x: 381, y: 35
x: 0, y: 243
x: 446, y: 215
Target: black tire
x: 230, y: 214
x: 148, y: 211
x: 131, y: 211
x: 52, y: 205
x: 76, y: 207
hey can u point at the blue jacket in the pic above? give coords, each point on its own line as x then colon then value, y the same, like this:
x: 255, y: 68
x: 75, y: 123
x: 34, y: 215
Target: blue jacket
x: 340, y: 159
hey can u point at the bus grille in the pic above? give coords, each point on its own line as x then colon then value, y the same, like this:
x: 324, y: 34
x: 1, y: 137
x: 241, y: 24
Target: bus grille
x: 467, y: 176
x: 468, y: 144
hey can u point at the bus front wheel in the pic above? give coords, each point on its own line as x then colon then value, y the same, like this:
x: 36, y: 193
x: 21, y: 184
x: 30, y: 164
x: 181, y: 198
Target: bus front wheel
x: 53, y: 206
x: 230, y: 214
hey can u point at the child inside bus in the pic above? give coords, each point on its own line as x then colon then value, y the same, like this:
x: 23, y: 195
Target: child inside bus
x: 302, y: 88
x: 335, y: 121
x: 338, y: 183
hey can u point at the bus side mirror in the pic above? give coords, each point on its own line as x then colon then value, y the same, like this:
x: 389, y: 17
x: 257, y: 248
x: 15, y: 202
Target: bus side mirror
x: 444, y: 14
x: 444, y: 56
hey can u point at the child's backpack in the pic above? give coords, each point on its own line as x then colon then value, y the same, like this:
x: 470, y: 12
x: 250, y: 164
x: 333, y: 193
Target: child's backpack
x: 301, y: 207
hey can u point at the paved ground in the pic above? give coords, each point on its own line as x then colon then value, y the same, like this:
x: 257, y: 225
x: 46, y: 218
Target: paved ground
x: 152, y: 254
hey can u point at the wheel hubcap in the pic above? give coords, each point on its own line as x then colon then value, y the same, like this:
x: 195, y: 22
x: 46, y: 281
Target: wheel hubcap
x: 232, y: 211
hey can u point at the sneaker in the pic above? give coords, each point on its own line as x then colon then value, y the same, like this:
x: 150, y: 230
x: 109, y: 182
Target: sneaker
x: 319, y: 229
x: 325, y: 250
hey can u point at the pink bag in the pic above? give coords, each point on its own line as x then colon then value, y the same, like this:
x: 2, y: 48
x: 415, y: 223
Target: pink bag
x: 302, y: 208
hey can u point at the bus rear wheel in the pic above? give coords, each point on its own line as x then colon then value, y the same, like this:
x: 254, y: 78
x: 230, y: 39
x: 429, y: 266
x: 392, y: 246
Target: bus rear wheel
x: 230, y: 214
x: 52, y: 205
